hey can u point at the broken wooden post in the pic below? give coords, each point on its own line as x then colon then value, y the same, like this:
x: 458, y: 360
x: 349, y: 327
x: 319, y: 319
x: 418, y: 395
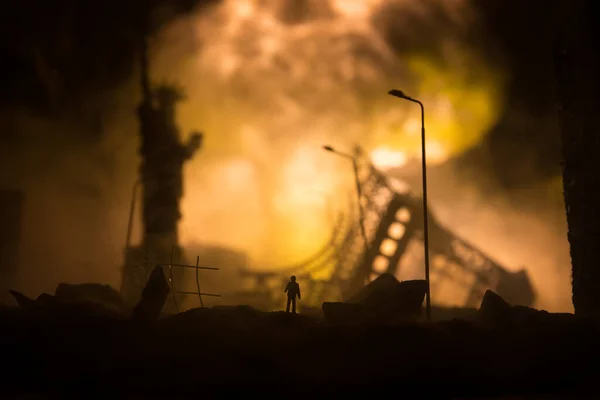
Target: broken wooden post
x: 198, y: 281
x: 154, y: 297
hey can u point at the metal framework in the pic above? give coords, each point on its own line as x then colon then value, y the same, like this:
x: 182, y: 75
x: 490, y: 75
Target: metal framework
x: 392, y: 221
x: 143, y: 269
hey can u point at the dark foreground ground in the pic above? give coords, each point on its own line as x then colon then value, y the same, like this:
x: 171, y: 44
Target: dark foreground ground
x: 213, y: 353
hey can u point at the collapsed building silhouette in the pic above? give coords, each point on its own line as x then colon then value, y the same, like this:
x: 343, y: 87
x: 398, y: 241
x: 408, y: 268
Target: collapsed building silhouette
x: 393, y: 220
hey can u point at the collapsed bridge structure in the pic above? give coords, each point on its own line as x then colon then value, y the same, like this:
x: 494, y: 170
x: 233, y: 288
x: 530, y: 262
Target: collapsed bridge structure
x: 393, y: 222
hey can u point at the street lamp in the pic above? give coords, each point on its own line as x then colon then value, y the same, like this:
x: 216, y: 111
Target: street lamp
x: 358, y: 190
x: 400, y: 94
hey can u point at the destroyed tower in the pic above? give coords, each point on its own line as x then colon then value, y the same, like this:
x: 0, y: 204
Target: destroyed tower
x: 577, y: 62
x: 161, y: 176
x: 460, y: 272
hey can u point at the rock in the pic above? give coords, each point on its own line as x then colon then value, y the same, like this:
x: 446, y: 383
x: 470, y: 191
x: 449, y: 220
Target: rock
x: 386, y: 295
x: 89, y: 293
x: 153, y: 298
x: 493, y: 310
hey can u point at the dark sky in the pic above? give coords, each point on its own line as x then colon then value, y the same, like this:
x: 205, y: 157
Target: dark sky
x: 58, y: 53
x: 528, y: 133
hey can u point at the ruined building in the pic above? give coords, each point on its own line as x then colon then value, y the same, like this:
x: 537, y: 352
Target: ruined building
x: 577, y: 65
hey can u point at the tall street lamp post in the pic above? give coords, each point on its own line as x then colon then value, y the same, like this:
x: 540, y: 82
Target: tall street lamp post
x: 401, y: 95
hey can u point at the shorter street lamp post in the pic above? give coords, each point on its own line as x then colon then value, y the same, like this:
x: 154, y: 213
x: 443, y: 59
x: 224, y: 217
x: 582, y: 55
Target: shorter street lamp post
x: 358, y: 189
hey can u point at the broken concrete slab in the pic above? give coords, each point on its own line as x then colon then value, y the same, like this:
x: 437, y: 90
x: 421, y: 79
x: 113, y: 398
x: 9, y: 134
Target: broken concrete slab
x: 153, y: 298
x: 385, y: 300
x: 495, y: 312
x: 387, y: 295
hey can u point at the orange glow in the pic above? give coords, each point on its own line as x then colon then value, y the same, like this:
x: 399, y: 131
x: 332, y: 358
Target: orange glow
x: 388, y: 247
x: 384, y: 158
x: 380, y: 264
x: 396, y: 230
x: 272, y: 93
x: 403, y: 215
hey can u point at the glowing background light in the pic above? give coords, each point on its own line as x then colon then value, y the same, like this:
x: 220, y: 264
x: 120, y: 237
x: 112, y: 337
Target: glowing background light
x: 271, y: 81
x: 384, y: 158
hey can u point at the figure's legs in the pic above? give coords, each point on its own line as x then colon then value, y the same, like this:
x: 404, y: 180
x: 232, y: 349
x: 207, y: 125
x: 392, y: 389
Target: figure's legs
x: 294, y: 305
x: 287, y: 309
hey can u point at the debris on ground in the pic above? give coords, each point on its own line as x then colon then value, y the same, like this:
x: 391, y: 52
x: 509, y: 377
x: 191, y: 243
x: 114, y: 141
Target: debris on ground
x: 385, y: 299
x: 495, y: 312
x: 93, y: 297
x: 207, y: 349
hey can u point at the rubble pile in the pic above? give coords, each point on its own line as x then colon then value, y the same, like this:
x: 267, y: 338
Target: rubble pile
x: 496, y: 313
x: 507, y: 350
x: 385, y: 299
x: 88, y: 299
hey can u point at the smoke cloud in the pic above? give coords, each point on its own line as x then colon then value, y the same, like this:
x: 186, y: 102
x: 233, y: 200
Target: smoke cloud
x: 271, y: 82
x: 74, y: 212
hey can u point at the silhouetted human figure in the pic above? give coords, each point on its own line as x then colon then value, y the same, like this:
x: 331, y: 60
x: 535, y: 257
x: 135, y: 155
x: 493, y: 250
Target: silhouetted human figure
x: 292, y: 289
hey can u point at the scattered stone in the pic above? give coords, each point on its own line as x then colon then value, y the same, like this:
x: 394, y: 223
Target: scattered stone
x: 153, y: 298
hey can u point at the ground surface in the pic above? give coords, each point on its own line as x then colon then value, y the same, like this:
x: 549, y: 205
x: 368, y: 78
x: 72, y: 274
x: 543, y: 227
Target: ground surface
x: 212, y: 351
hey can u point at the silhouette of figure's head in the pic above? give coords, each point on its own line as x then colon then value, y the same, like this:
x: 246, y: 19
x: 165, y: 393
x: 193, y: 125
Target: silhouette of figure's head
x: 293, y: 278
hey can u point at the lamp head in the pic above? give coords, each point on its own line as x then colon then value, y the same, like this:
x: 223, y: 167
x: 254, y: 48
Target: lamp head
x: 398, y: 93
x: 329, y: 148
